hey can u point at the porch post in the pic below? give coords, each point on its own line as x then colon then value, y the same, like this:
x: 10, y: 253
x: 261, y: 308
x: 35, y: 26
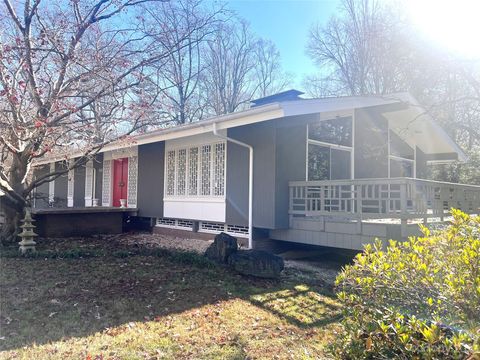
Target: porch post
x: 388, y: 149
x: 352, y: 153
x: 415, y: 162
x: 403, y: 209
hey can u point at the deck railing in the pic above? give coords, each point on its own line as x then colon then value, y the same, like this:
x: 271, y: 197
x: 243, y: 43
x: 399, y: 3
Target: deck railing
x: 397, y: 198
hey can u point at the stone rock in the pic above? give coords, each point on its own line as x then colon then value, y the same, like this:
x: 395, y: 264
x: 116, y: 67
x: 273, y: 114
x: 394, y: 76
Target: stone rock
x: 257, y: 263
x: 223, y: 246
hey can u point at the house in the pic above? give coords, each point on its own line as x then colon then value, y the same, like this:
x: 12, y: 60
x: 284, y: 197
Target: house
x: 332, y: 171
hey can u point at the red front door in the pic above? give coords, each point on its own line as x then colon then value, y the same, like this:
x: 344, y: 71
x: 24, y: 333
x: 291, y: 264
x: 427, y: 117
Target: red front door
x: 120, y: 180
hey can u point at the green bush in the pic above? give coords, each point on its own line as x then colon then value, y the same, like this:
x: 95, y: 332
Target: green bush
x: 414, y: 299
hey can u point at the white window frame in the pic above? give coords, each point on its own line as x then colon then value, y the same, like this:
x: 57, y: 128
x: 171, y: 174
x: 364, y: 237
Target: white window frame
x: 331, y: 146
x: 198, y: 194
x: 400, y: 158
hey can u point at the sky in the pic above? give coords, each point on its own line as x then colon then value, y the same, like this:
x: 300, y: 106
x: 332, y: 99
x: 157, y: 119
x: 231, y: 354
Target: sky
x: 287, y: 24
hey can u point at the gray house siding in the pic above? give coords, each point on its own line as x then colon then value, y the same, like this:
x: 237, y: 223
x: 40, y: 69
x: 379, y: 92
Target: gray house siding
x: 61, y: 185
x: 41, y: 192
x: 151, y: 158
x: 291, y: 166
x: 79, y: 187
x: 237, y: 185
x: 98, y: 166
x: 262, y: 138
x: 279, y: 148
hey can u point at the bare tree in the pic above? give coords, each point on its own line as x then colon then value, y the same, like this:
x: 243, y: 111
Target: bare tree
x: 188, y: 24
x: 229, y: 58
x: 70, y: 80
x: 358, y: 50
x: 268, y: 71
x: 371, y: 47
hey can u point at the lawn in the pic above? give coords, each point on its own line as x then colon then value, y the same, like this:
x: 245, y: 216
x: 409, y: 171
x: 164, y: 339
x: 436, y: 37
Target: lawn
x: 103, y: 301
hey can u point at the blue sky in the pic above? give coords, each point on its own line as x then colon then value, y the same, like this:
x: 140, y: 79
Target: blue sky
x: 287, y: 23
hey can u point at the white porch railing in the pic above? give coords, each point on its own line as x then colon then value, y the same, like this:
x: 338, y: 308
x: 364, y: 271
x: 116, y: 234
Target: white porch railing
x: 398, y: 198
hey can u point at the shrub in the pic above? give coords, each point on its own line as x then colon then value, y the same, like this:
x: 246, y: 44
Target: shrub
x: 414, y: 299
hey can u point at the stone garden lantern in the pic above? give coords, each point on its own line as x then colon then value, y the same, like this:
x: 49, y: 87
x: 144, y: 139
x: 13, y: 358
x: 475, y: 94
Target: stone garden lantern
x: 27, y: 235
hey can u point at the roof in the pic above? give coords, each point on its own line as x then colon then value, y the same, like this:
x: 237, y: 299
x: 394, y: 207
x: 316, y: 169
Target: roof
x: 412, y: 117
x: 282, y: 96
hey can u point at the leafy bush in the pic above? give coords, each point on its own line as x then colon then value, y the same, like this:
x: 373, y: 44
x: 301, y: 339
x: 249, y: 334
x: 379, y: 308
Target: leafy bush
x: 415, y: 299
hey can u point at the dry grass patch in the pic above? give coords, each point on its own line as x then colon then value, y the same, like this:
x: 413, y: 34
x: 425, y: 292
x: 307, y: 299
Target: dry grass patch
x: 157, y: 307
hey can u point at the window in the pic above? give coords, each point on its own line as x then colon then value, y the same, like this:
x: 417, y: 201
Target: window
x: 399, y: 148
x: 336, y: 131
x: 196, y: 171
x: 329, y: 149
x: 401, y: 167
x: 318, y: 162
x: 401, y: 157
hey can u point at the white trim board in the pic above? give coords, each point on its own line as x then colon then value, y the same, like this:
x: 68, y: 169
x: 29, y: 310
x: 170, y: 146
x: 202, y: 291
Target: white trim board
x: 120, y: 153
x: 330, y: 107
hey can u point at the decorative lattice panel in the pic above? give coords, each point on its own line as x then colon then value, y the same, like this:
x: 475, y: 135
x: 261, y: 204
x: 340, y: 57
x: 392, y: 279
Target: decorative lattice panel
x: 175, y: 223
x: 185, y: 224
x: 207, y: 226
x: 170, y: 185
x: 196, y: 171
x: 206, y: 170
x: 193, y: 171
x: 219, y: 170
x: 237, y: 230
x: 165, y: 222
x: 132, y: 181
x: 106, y: 182
x: 181, y: 171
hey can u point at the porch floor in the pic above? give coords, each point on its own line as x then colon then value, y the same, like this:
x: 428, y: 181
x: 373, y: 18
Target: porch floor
x: 83, y: 210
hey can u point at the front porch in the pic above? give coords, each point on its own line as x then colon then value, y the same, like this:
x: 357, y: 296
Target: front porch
x: 65, y: 222
x: 350, y: 213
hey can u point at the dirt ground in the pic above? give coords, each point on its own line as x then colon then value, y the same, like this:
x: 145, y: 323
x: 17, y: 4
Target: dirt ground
x: 323, y: 263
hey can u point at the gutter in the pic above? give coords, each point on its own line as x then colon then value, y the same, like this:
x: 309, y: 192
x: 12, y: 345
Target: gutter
x: 250, y: 180
x: 176, y: 131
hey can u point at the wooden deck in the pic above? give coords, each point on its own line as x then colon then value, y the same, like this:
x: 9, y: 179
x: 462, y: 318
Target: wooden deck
x: 351, y: 213
x: 398, y: 198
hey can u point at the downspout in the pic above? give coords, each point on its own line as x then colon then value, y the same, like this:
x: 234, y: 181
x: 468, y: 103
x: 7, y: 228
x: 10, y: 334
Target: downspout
x: 250, y: 180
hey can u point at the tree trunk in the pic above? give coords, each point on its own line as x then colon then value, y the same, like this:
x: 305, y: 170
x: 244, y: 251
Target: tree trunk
x: 11, y: 226
x: 13, y: 203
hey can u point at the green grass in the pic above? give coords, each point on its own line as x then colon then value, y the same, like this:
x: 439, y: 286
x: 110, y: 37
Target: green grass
x: 148, y: 304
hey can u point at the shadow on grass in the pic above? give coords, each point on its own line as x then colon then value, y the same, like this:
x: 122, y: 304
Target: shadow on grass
x: 79, y: 291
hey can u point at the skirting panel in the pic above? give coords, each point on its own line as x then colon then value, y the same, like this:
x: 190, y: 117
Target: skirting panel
x: 194, y: 210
